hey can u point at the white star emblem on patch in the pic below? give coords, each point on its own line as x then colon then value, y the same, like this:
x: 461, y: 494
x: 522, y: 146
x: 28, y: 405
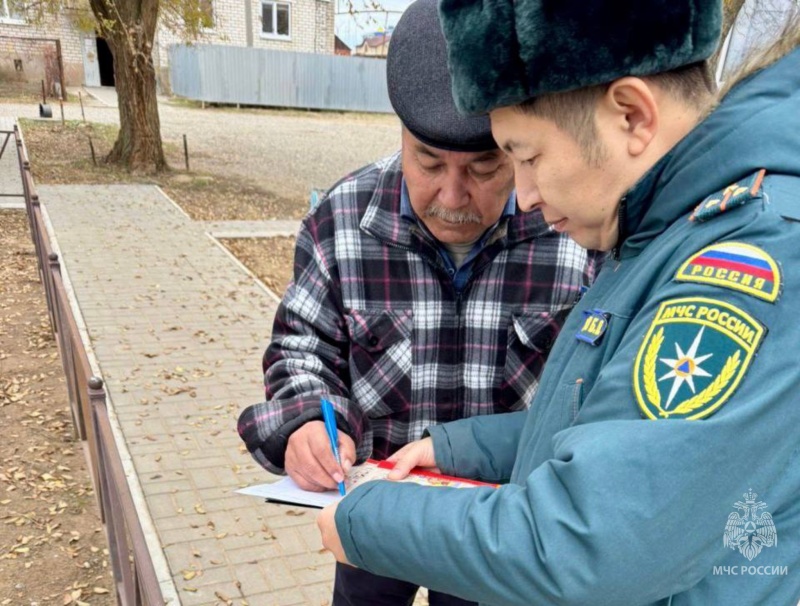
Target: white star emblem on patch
x: 685, y: 367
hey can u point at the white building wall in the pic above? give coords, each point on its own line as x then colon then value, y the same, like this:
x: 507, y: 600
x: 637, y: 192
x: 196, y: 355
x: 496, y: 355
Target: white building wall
x: 229, y: 28
x: 60, y: 28
x: 311, y: 27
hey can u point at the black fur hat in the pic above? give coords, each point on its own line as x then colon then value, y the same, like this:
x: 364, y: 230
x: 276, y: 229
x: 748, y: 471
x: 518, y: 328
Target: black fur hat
x: 503, y: 52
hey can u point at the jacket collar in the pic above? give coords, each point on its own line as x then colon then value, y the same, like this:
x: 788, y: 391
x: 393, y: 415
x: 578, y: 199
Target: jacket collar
x: 755, y: 126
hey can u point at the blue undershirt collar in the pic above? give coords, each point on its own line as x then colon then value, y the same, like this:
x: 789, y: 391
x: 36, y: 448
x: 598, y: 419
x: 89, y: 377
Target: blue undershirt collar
x: 459, y: 275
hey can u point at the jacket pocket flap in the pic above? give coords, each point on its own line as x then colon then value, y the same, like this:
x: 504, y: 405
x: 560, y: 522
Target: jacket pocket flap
x: 376, y: 331
x: 538, y: 330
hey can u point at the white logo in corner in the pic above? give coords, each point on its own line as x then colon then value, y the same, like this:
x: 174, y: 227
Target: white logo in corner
x: 750, y: 531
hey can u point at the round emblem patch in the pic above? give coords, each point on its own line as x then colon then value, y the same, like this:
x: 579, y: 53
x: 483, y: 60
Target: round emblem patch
x: 693, y: 357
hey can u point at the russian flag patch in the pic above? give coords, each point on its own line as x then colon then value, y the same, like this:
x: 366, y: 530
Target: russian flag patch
x: 734, y: 265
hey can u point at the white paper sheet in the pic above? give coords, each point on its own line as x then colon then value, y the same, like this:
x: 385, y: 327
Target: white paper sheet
x: 286, y: 491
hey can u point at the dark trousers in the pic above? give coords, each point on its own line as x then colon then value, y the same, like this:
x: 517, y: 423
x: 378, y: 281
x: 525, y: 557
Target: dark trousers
x: 356, y: 587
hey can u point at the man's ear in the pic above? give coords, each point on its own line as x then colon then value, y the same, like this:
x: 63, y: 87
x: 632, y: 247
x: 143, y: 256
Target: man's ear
x: 633, y: 109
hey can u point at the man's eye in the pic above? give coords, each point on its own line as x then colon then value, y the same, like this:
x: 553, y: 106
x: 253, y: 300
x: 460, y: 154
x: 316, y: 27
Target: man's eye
x: 432, y: 167
x: 528, y: 162
x: 485, y: 173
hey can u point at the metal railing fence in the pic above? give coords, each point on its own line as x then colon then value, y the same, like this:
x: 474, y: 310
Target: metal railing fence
x: 135, y: 578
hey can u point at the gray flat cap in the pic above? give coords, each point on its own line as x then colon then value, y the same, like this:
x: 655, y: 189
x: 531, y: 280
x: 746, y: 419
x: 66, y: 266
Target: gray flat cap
x: 420, y: 87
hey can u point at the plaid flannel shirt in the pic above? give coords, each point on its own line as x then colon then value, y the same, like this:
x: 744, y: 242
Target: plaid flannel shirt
x: 373, y: 322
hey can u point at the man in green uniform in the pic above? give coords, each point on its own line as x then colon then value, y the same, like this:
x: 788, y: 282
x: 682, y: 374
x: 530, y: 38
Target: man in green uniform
x: 659, y: 462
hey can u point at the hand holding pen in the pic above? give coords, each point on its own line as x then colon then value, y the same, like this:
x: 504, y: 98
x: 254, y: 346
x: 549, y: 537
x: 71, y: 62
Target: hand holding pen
x: 309, y: 457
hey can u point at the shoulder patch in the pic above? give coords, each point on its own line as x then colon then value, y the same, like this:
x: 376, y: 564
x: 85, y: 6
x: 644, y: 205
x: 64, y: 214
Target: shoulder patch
x: 734, y: 195
x: 734, y: 265
x: 694, y: 355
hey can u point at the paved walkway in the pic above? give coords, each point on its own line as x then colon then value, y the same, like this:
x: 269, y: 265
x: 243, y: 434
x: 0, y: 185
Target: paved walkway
x: 178, y: 329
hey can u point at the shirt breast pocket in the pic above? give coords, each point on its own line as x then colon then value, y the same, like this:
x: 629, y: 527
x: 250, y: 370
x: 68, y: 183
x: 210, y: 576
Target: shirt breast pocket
x: 530, y: 338
x: 380, y: 360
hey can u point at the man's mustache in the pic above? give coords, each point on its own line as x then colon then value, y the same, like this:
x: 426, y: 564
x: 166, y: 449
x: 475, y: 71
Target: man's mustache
x: 461, y: 217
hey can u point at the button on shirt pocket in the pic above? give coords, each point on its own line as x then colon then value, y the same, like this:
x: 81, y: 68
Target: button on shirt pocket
x: 530, y: 337
x: 380, y: 360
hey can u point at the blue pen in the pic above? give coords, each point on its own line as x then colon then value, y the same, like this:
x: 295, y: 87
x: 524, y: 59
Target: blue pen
x: 333, y: 434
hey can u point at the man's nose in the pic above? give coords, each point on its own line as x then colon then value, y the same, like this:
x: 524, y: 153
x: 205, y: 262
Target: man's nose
x: 453, y: 193
x: 527, y: 194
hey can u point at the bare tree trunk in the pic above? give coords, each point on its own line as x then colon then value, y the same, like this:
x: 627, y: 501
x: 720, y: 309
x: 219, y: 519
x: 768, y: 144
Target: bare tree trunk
x: 129, y: 27
x: 138, y: 146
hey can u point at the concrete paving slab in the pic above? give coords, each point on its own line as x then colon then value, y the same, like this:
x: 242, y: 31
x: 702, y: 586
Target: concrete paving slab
x: 252, y: 229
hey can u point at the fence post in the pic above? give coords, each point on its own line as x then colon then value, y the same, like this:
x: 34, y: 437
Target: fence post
x: 53, y: 266
x: 91, y: 149
x: 97, y: 400
x: 21, y: 161
x: 37, y: 237
x: 26, y: 169
x: 111, y: 508
x: 26, y: 193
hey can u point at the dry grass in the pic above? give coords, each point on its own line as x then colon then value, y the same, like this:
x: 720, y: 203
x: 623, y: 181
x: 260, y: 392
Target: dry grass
x: 270, y: 259
x: 62, y: 154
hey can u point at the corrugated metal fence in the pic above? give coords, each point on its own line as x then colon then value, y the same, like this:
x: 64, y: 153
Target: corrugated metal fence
x: 257, y: 76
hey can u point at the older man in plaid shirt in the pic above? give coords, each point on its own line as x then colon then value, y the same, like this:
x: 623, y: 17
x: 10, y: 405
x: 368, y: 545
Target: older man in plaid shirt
x: 420, y: 295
